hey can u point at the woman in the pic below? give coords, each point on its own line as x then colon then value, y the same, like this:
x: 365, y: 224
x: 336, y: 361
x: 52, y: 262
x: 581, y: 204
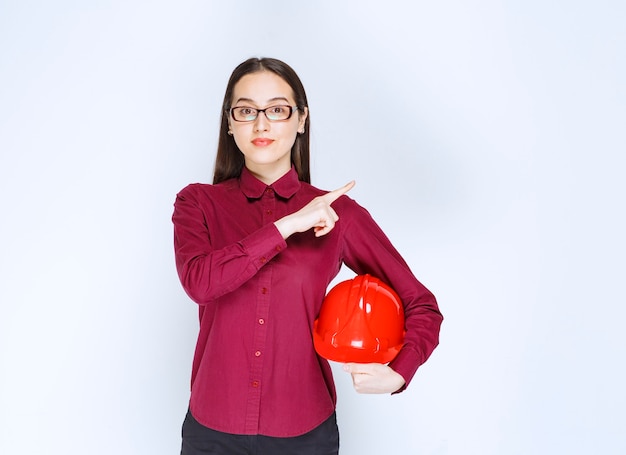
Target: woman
x: 257, y: 250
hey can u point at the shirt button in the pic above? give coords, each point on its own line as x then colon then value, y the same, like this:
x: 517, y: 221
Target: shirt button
x: 257, y: 354
x: 255, y: 383
x: 263, y: 290
x: 261, y: 321
x: 278, y: 248
x: 268, y: 212
x: 263, y: 260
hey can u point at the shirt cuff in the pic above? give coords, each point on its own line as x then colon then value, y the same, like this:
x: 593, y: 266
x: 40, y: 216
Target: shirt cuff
x: 262, y: 245
x: 405, y: 364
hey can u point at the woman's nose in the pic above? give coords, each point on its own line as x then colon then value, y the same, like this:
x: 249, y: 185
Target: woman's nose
x: 261, y: 123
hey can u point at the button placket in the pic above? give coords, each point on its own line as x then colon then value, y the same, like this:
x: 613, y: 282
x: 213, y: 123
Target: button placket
x: 268, y: 205
x: 258, y: 348
x: 261, y: 320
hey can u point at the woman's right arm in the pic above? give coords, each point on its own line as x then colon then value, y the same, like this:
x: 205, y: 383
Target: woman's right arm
x: 206, y: 272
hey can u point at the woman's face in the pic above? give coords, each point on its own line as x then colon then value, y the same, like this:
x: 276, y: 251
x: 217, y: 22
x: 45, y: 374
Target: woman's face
x: 266, y: 145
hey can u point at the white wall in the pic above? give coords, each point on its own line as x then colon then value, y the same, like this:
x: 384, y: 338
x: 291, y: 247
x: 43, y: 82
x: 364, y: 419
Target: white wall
x: 487, y: 138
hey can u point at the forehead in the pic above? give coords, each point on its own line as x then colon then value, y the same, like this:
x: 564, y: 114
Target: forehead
x: 262, y: 87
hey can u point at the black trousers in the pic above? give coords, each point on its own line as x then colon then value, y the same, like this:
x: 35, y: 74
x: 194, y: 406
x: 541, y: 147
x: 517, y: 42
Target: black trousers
x: 200, y: 440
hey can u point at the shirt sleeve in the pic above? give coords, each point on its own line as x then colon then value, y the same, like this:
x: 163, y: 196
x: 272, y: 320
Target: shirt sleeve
x: 207, y: 273
x: 367, y: 249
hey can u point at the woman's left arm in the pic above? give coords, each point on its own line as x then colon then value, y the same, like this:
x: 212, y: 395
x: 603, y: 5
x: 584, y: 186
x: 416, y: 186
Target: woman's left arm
x: 366, y: 249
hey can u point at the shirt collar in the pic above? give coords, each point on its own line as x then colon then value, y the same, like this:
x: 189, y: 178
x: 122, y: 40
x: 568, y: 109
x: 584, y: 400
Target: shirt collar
x: 285, y: 187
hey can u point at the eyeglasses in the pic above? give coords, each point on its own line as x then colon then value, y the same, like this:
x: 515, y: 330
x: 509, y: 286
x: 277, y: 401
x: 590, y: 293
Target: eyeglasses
x: 272, y: 113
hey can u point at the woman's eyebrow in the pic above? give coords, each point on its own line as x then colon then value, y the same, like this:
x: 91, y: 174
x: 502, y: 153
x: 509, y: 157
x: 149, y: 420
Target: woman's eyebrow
x: 248, y: 100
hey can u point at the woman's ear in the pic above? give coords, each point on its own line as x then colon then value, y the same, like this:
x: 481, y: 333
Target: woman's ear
x: 302, y: 119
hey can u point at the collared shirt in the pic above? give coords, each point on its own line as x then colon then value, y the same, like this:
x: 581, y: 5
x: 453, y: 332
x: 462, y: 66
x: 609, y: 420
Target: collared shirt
x: 255, y: 370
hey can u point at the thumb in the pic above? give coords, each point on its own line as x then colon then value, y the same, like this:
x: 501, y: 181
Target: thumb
x: 356, y: 367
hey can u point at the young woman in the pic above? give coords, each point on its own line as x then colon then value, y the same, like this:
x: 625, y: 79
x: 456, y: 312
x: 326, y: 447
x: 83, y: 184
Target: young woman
x: 257, y: 250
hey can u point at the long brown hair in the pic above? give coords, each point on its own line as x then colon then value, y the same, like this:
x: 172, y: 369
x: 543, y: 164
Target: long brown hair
x: 229, y: 160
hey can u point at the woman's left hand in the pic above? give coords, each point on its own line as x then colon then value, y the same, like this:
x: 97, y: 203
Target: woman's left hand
x: 374, y: 377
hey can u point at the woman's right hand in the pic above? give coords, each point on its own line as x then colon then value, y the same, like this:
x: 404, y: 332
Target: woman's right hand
x: 317, y: 214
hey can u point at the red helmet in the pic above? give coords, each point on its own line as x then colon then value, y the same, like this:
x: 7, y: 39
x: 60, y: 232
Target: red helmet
x: 361, y: 320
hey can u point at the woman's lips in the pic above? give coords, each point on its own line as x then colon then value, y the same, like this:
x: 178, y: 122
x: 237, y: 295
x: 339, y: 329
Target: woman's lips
x: 262, y: 141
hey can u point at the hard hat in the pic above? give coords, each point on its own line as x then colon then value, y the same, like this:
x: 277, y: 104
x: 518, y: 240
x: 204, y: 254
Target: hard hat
x: 361, y: 320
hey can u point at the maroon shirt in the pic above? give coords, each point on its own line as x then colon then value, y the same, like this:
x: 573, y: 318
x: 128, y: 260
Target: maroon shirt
x: 255, y: 370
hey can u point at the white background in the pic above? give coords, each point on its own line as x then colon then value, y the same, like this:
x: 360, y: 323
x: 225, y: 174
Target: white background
x: 486, y: 137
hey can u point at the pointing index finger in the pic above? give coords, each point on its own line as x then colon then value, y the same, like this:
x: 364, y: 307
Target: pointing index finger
x: 332, y: 196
